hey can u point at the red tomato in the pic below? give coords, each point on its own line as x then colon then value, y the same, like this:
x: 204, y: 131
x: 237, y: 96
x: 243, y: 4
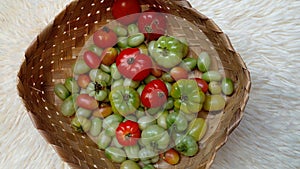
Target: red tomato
x: 128, y: 133
x: 126, y: 11
x: 152, y: 24
x: 202, y: 84
x: 109, y: 56
x: 91, y: 59
x: 83, y: 80
x: 105, y: 38
x: 178, y: 73
x: 171, y: 156
x: 134, y: 65
x: 155, y: 94
x: 87, y: 102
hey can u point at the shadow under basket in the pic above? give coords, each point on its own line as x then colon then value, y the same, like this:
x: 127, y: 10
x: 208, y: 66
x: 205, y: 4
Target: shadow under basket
x: 50, y: 57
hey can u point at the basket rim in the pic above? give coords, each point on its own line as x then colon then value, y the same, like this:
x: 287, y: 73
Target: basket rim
x: 183, y: 3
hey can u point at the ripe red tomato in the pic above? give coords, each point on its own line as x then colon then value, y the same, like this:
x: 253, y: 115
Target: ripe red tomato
x: 155, y: 94
x: 202, y: 84
x: 171, y: 156
x: 91, y: 59
x: 134, y: 65
x: 105, y: 38
x: 128, y: 133
x: 153, y: 24
x: 126, y: 11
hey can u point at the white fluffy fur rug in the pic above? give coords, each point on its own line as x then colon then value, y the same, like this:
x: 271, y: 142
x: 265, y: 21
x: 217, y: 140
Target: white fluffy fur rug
x: 265, y: 32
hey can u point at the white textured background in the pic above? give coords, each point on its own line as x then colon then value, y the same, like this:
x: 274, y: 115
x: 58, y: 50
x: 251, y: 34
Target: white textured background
x: 265, y: 32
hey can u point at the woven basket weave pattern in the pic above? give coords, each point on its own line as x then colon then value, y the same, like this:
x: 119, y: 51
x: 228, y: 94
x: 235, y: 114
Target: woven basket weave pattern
x: 50, y: 58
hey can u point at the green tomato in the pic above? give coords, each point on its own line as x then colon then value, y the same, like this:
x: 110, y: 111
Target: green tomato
x: 214, y: 103
x: 149, y: 78
x: 162, y: 120
x: 105, y: 68
x: 104, y: 140
x: 188, y: 63
x: 111, y: 129
x: 156, y: 137
x: 186, y: 145
x: 146, y: 121
x: 123, y: 42
x: 132, y: 152
x: 169, y: 87
x: 83, y: 112
x: 129, y: 164
x: 147, y: 154
x: 132, y: 29
x: 197, y: 128
x: 177, y: 121
x: 169, y: 104
x: 96, y: 127
x: 85, y: 123
x: 211, y: 76
x: 167, y: 51
x: 115, y: 74
x: 114, y: 118
x: 61, y: 91
x: 188, y: 98
x: 115, y: 154
x: 71, y: 85
x: 117, y: 83
x: 98, y: 51
x: 116, y: 143
x: 131, y: 83
x: 130, y: 117
x: 136, y: 39
x: 140, y: 89
x: 167, y: 77
x: 214, y: 87
x: 80, y: 67
x: 140, y: 113
x: 124, y: 100
x: 120, y: 31
x: 68, y: 107
x: 227, y: 86
x: 203, y: 62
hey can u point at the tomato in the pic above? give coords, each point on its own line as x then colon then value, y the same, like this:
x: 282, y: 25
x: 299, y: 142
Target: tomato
x: 128, y: 133
x: 171, y: 156
x: 87, y: 102
x: 83, y: 80
x: 91, y: 59
x: 152, y: 24
x: 202, y: 84
x: 155, y: 94
x: 109, y: 56
x: 105, y: 38
x: 134, y: 65
x: 126, y: 11
x: 178, y: 73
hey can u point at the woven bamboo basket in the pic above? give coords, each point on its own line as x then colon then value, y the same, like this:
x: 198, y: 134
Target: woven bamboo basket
x: 50, y: 57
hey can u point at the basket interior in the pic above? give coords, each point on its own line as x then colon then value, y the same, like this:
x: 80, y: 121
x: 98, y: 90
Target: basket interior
x: 50, y: 58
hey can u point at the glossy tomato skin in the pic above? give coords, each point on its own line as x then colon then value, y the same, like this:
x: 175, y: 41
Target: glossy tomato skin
x: 91, y: 59
x: 155, y: 94
x: 202, y: 84
x: 134, y: 65
x: 126, y: 11
x: 128, y: 133
x: 171, y: 156
x: 153, y: 24
x: 105, y: 38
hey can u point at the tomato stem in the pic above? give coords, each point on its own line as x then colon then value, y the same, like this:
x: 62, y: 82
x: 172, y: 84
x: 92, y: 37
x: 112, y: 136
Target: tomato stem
x: 130, y: 60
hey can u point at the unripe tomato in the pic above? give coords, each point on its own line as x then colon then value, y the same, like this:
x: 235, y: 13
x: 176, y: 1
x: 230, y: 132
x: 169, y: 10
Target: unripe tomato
x: 178, y: 73
x: 87, y: 102
x: 83, y: 80
x: 171, y: 156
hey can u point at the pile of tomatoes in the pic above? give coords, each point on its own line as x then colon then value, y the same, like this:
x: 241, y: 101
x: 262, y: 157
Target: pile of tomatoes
x: 137, y: 92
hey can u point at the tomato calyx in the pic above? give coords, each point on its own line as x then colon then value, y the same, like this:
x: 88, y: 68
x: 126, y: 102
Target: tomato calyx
x: 105, y: 29
x: 130, y: 60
